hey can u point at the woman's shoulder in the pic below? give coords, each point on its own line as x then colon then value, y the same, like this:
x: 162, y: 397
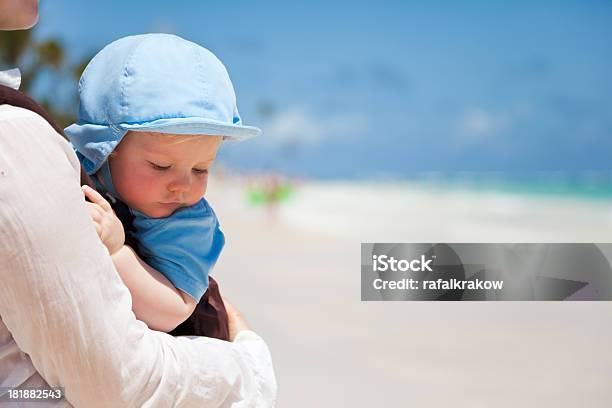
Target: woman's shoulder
x: 10, y: 112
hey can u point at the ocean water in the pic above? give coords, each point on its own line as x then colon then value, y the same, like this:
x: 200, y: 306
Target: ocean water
x: 450, y: 212
x: 590, y: 185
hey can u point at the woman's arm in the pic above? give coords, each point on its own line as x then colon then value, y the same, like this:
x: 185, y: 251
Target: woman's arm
x: 155, y: 300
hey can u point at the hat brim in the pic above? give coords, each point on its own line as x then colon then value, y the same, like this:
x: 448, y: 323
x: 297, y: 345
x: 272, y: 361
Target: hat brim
x: 94, y: 142
x: 194, y: 126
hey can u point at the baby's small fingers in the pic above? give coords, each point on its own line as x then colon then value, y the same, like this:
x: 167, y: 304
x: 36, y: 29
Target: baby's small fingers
x: 95, y: 211
x: 96, y: 197
x: 95, y: 216
x: 98, y: 229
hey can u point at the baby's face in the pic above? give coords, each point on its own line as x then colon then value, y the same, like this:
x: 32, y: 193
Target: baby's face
x: 157, y: 174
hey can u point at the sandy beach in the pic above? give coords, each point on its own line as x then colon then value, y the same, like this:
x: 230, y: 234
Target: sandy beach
x: 296, y: 276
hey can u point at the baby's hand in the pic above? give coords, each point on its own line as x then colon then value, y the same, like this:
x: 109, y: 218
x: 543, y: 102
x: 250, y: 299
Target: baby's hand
x: 108, y: 226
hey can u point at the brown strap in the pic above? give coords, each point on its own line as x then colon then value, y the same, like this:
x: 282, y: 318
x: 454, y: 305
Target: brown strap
x: 209, y: 317
x: 10, y: 96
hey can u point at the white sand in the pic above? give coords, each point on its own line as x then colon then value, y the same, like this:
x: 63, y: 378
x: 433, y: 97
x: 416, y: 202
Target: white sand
x: 297, y: 280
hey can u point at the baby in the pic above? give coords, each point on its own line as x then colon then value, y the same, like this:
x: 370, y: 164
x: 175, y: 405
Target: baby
x: 153, y: 111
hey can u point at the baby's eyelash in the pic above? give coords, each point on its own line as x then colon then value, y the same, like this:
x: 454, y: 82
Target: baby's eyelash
x: 158, y: 167
x: 163, y: 168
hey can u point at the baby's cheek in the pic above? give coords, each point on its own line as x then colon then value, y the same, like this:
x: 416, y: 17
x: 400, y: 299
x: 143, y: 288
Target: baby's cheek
x: 197, y: 191
x: 203, y: 185
x: 146, y: 187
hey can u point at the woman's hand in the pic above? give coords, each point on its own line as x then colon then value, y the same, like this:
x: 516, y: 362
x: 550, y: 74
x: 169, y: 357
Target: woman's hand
x: 236, y: 320
x: 109, y: 228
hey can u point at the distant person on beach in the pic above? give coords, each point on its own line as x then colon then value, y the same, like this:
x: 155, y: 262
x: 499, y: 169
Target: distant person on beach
x: 66, y: 318
x: 270, y: 190
x: 153, y: 111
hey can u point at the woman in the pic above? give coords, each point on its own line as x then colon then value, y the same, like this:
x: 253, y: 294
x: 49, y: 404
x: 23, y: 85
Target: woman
x: 66, y: 316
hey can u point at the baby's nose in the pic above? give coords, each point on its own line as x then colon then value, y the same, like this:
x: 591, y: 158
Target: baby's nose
x: 180, y: 184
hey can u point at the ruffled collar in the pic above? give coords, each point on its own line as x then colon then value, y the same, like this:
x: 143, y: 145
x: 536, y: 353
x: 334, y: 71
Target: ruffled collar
x: 11, y: 78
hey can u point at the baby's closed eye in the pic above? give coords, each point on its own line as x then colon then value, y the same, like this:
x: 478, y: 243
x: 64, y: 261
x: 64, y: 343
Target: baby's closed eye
x: 164, y: 168
x: 159, y: 167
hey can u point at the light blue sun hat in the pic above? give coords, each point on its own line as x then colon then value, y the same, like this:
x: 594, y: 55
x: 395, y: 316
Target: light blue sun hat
x: 152, y: 83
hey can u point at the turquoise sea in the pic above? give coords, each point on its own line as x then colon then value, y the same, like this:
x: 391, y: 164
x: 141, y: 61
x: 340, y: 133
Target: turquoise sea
x: 589, y: 185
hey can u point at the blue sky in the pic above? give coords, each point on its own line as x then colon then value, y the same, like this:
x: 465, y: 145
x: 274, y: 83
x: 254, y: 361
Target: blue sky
x: 357, y: 89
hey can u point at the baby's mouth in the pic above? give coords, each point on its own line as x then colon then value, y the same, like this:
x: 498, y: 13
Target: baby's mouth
x: 172, y: 204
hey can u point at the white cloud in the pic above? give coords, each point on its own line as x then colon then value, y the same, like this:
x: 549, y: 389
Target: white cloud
x: 299, y: 125
x: 477, y: 124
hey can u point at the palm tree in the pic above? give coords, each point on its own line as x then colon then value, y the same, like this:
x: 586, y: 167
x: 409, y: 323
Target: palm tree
x: 33, y: 57
x: 19, y: 49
